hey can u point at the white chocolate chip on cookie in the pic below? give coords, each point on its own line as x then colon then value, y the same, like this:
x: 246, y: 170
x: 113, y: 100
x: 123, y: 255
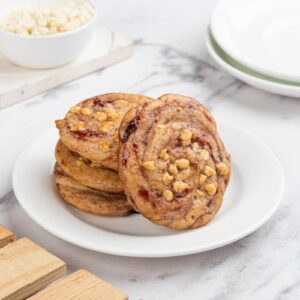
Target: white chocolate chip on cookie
x: 204, y: 154
x: 168, y: 195
x: 182, y: 163
x: 100, y: 116
x: 179, y: 186
x: 209, y: 171
x: 164, y: 154
x: 80, y: 126
x: 222, y: 168
x: 167, y: 179
x: 196, y: 147
x: 200, y: 194
x: 173, y: 169
x: 85, y: 111
x: 202, y: 179
x: 186, y: 136
x: 149, y: 165
x: 210, y: 188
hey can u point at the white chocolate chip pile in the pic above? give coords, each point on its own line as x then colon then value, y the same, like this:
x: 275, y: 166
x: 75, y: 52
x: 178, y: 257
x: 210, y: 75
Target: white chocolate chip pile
x: 37, y: 22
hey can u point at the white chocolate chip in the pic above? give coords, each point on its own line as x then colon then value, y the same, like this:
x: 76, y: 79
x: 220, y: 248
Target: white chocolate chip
x: 204, y: 154
x: 202, y: 179
x: 209, y: 171
x: 173, y: 169
x: 101, y: 116
x: 85, y: 111
x: 167, y: 179
x: 210, y: 188
x: 168, y: 195
x: 179, y: 186
x: 186, y: 136
x: 149, y: 165
x: 196, y: 147
x: 79, y: 126
x: 164, y: 154
x: 182, y: 163
x: 200, y: 194
x: 222, y: 168
x: 37, y: 22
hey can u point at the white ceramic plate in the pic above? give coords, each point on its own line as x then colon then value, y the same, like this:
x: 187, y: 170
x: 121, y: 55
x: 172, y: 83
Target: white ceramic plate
x: 261, y: 34
x: 253, y: 78
x: 252, y: 197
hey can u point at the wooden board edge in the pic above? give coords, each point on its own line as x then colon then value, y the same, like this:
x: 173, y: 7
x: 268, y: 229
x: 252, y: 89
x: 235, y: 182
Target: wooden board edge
x: 6, y: 236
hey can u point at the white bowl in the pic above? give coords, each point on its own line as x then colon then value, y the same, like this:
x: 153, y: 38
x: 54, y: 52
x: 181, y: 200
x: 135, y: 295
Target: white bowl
x: 46, y: 51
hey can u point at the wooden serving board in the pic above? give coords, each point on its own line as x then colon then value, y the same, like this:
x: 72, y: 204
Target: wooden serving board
x: 80, y: 285
x: 6, y: 236
x: 105, y: 48
x: 27, y: 269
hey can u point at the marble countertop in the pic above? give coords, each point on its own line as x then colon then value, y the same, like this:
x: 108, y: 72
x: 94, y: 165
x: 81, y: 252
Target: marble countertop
x: 170, y: 57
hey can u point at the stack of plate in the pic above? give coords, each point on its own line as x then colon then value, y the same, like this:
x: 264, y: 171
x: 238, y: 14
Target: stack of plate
x: 258, y: 41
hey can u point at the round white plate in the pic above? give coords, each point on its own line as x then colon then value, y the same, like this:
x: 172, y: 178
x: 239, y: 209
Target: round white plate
x: 253, y: 78
x: 261, y: 34
x: 252, y: 197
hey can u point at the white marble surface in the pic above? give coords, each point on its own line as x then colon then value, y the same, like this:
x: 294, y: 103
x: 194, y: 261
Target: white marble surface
x: 170, y: 57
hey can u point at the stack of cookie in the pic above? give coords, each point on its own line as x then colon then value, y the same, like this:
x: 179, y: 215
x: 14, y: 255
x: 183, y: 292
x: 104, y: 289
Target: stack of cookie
x: 86, y: 170
x: 165, y: 155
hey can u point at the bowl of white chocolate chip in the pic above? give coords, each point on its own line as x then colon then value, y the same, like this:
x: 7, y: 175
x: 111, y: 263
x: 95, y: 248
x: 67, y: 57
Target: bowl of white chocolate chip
x: 44, y: 33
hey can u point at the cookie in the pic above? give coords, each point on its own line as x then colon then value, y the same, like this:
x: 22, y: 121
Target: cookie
x: 90, y: 200
x: 172, y: 162
x: 86, y: 172
x: 90, y: 128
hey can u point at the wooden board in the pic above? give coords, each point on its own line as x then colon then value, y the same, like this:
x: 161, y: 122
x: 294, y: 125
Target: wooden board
x: 25, y: 268
x: 105, y: 48
x: 80, y: 285
x: 6, y: 236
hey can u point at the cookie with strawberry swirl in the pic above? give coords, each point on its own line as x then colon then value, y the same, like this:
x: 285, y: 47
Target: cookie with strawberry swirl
x: 172, y: 162
x: 90, y: 128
